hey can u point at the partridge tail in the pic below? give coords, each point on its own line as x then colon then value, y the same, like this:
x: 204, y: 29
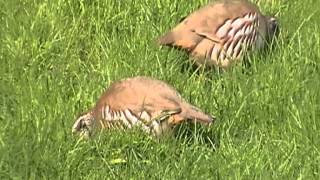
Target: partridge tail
x: 167, y: 39
x: 193, y: 113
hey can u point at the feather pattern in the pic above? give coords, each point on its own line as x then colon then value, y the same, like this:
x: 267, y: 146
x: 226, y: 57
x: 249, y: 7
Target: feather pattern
x: 126, y: 119
x: 235, y: 35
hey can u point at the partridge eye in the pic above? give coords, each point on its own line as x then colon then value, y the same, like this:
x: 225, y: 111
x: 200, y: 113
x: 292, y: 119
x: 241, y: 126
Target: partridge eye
x: 273, y: 25
x: 82, y: 124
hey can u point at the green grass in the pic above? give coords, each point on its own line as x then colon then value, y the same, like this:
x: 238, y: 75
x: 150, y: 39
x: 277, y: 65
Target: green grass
x: 57, y: 57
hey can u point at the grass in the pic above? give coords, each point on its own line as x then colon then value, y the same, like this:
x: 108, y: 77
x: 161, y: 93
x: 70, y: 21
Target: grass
x: 57, y: 57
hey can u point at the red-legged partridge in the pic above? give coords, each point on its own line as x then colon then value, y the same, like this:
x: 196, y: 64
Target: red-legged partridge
x: 222, y: 32
x: 140, y: 101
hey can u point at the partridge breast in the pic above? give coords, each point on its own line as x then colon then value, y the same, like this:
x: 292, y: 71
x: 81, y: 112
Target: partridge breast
x: 221, y: 32
x: 147, y: 103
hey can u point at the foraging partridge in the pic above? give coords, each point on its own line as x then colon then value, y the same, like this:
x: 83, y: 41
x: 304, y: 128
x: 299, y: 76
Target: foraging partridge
x: 140, y: 101
x: 221, y: 32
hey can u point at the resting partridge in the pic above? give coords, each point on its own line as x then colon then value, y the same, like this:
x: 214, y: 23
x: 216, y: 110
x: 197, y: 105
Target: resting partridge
x: 140, y: 101
x: 221, y: 32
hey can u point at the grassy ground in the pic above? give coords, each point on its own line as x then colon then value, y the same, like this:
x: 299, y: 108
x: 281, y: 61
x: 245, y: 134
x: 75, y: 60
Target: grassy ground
x: 56, y: 58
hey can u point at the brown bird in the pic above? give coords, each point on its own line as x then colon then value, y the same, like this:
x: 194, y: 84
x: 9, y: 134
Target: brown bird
x: 140, y: 101
x: 222, y: 32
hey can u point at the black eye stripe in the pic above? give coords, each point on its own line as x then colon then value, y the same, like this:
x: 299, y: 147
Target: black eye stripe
x: 82, y: 124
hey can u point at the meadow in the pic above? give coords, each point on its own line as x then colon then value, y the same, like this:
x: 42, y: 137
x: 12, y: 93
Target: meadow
x: 57, y: 57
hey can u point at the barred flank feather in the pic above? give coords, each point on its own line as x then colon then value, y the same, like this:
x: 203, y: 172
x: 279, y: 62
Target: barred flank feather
x: 125, y: 119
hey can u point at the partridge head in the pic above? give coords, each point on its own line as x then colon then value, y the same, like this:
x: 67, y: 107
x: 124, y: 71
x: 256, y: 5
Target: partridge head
x: 143, y: 102
x: 221, y: 32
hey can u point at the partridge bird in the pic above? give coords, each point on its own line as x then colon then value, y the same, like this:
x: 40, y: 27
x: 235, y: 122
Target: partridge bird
x: 140, y: 101
x: 221, y: 32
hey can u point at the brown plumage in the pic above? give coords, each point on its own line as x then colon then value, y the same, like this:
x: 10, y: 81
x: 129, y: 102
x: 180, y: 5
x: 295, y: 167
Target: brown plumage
x: 140, y: 101
x: 222, y: 32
